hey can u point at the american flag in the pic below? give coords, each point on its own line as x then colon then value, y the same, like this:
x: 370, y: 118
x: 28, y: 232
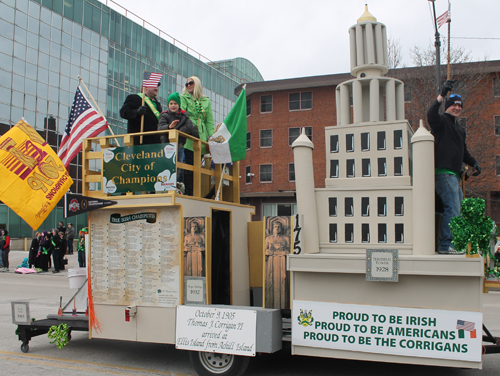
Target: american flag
x: 83, y: 122
x: 445, y: 17
x: 465, y: 325
x: 151, y: 79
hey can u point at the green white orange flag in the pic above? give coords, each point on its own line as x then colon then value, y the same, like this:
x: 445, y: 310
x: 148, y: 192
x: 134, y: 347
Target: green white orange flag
x: 229, y: 142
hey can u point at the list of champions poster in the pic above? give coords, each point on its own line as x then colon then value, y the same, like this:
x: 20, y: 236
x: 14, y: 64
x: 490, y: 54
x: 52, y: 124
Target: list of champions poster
x: 135, y: 257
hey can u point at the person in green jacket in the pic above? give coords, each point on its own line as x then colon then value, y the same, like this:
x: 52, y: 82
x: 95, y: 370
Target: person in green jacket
x: 200, y: 112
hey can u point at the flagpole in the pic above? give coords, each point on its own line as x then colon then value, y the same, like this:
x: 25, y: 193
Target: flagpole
x: 437, y: 44
x: 220, y: 183
x: 98, y: 109
x: 142, y: 116
x: 449, y: 38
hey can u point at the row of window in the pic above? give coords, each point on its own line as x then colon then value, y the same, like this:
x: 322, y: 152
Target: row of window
x: 365, y: 206
x: 266, y: 136
x: 266, y: 173
x: 366, y: 167
x: 296, y: 102
x: 365, y: 141
x: 365, y: 233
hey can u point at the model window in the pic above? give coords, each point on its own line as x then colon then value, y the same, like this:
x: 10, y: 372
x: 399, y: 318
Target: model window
x: 349, y: 142
x: 333, y: 233
x: 496, y: 86
x: 497, y: 125
x: 249, y: 140
x: 266, y: 173
x: 382, y: 206
x: 349, y: 233
x: 365, y: 206
x: 365, y: 233
x: 382, y: 167
x: 300, y: 101
x: 398, y: 166
x: 266, y: 103
x: 399, y: 206
x: 400, y: 237
x: 249, y: 106
x: 334, y: 143
x: 248, y: 175
x: 293, y: 133
x: 349, y: 206
x: 381, y: 140
x: 398, y: 139
x: 266, y: 138
x: 365, y: 141
x: 350, y: 168
x: 332, y: 206
x: 334, y: 168
x: 366, y: 167
x: 291, y: 172
x: 382, y: 233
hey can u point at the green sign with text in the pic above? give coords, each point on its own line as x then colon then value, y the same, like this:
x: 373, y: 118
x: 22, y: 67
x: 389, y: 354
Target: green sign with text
x: 140, y: 168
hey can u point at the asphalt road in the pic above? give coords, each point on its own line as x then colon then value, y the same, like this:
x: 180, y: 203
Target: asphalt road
x: 84, y: 356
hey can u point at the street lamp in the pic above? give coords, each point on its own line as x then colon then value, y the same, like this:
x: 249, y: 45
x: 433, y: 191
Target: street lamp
x: 437, y: 44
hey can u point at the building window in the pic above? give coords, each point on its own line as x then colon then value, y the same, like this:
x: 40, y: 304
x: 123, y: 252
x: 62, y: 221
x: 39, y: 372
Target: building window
x: 249, y: 106
x: 332, y: 206
x: 269, y: 210
x: 365, y: 206
x: 349, y: 206
x: 349, y: 233
x: 398, y: 166
x: 349, y: 142
x: 266, y: 103
x: 399, y: 206
x: 497, y: 125
x: 398, y: 139
x: 382, y: 206
x: 293, y: 133
x: 266, y: 173
x: 334, y: 143
x: 365, y: 141
x: 334, y: 168
x: 382, y: 167
x: 333, y: 233
x: 365, y: 233
x: 382, y: 233
x: 248, y: 175
x: 350, y: 168
x: 407, y: 94
x: 399, y: 229
x: 249, y: 139
x: 366, y: 167
x: 496, y: 86
x: 381, y: 140
x: 498, y: 165
x: 291, y: 172
x: 266, y: 138
x: 300, y: 101
x: 463, y: 122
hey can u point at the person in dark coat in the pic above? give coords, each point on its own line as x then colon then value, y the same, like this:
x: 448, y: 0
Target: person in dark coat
x: 5, y: 247
x: 63, y: 249
x: 450, y: 152
x: 33, y: 254
x: 45, y: 246
x: 56, y: 258
x: 132, y: 110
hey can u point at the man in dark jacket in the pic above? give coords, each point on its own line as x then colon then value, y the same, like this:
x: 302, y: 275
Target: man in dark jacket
x: 70, y: 237
x: 132, y: 110
x: 450, y: 152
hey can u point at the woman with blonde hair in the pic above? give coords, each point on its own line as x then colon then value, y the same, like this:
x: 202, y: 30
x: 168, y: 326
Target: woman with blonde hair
x: 200, y: 112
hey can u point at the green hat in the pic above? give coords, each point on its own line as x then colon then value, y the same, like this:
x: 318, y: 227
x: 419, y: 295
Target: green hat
x: 175, y: 97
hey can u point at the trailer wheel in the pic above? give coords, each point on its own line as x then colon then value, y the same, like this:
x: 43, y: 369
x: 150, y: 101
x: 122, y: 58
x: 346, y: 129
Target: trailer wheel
x: 209, y: 363
x: 25, y: 347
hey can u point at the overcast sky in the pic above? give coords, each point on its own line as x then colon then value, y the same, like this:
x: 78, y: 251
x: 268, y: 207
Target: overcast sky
x: 287, y: 39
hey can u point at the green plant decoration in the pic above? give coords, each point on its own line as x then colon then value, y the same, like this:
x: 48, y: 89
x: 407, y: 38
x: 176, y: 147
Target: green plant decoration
x: 59, y: 335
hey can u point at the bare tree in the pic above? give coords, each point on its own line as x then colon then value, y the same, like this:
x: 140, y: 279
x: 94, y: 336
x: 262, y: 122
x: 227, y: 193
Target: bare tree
x: 394, y: 53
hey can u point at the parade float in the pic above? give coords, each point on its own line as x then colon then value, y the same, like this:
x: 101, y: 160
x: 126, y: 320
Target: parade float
x: 353, y: 275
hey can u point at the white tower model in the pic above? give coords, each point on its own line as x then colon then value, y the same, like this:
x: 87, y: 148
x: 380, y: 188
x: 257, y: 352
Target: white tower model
x: 370, y: 194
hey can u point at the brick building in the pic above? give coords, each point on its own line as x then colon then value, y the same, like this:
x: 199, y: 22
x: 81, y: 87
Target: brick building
x: 277, y: 110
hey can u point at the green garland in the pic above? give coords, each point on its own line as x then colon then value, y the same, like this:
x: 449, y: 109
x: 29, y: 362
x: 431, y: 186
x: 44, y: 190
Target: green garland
x: 475, y: 228
x: 59, y: 334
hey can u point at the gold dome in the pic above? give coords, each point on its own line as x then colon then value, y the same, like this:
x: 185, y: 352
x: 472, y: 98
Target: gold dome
x: 367, y: 16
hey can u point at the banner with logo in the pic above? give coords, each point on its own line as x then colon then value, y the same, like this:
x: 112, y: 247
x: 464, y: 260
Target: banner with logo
x: 78, y: 204
x: 140, y: 168
x: 427, y: 333
x: 33, y: 178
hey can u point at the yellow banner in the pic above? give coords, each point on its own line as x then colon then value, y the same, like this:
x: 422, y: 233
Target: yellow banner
x: 33, y: 178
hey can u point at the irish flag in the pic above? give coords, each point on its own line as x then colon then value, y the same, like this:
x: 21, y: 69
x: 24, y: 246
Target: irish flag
x: 229, y: 142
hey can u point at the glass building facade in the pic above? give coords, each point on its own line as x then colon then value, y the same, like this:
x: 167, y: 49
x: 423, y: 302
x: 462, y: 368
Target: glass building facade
x: 46, y: 44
